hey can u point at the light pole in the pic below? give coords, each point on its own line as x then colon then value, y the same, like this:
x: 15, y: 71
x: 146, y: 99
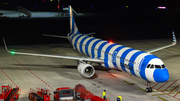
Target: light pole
x: 58, y: 7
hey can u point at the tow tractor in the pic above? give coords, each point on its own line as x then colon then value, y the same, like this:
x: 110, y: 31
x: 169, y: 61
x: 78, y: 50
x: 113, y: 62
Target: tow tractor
x: 41, y: 94
x: 64, y: 94
x: 8, y: 93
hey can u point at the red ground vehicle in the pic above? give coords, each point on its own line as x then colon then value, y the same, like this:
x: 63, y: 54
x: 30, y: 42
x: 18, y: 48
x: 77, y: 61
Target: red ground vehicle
x: 86, y: 95
x: 78, y: 89
x: 64, y: 94
x: 8, y: 93
x: 97, y: 98
x: 42, y: 94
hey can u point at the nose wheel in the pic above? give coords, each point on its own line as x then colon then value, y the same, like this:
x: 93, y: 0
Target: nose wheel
x: 148, y: 89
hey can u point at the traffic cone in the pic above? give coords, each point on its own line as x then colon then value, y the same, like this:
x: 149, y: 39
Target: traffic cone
x: 107, y: 98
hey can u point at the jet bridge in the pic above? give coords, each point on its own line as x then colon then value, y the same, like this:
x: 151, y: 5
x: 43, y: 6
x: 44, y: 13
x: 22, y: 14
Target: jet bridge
x: 23, y: 10
x: 67, y: 10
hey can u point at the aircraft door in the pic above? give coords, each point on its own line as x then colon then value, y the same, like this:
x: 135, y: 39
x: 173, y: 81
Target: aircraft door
x: 114, y: 55
x: 140, y: 65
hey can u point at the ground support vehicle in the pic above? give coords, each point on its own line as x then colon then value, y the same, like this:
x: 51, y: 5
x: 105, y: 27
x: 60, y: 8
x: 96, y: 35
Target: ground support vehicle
x: 86, y: 95
x: 41, y: 94
x: 78, y: 89
x: 97, y: 98
x: 64, y: 94
x: 8, y: 93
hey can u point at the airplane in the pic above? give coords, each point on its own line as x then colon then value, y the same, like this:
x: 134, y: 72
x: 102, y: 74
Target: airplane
x: 141, y: 64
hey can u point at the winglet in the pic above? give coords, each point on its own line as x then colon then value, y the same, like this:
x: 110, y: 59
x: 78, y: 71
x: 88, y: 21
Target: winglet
x: 5, y: 44
x: 6, y: 47
x: 174, y: 38
x: 163, y: 47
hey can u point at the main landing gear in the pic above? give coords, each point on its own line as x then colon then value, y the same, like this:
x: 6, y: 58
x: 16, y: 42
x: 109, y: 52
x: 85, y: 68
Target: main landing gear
x: 148, y: 89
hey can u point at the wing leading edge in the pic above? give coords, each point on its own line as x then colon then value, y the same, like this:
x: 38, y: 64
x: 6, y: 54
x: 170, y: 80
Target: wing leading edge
x: 57, y: 56
x: 163, y: 47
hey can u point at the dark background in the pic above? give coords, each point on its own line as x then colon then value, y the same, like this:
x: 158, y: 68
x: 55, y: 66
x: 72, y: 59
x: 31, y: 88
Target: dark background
x: 141, y: 20
x: 91, y: 5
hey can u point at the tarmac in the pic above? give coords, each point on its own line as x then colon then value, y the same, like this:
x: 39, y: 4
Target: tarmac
x: 30, y: 72
x: 34, y: 14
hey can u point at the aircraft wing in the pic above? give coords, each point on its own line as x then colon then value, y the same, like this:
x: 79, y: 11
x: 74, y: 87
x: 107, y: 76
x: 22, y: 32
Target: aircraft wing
x: 57, y: 56
x: 163, y: 47
x: 56, y: 36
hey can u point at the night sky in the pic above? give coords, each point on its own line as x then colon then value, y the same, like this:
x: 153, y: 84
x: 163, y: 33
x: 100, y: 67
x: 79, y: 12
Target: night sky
x: 138, y: 21
x: 91, y: 5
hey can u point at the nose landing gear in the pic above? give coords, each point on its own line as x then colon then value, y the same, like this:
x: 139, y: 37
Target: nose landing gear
x: 148, y: 89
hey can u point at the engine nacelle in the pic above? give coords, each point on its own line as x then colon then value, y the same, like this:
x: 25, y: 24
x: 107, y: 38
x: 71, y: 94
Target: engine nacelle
x: 86, y: 70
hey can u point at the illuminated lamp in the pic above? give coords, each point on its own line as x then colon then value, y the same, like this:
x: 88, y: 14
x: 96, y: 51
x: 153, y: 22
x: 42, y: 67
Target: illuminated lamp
x: 161, y: 7
x: 110, y: 42
x: 12, y: 52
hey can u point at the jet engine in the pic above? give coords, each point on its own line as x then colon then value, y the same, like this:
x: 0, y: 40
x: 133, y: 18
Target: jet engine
x: 86, y: 70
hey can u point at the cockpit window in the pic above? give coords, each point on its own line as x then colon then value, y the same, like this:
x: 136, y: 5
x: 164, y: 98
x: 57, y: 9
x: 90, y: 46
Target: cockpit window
x: 152, y: 66
x: 163, y: 66
x: 158, y: 66
x: 148, y: 65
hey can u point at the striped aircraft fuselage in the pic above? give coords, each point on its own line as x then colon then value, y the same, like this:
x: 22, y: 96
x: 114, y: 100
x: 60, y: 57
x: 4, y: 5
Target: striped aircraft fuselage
x: 136, y: 62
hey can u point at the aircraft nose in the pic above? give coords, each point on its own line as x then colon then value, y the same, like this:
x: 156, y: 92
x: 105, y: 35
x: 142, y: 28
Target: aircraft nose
x: 161, y: 75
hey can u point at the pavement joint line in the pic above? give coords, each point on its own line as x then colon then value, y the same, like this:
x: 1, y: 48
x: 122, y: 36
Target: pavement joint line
x: 142, y: 89
x: 109, y: 95
x: 33, y: 73
x: 162, y: 98
x: 155, y: 91
x: 63, y: 52
x: 163, y: 90
x: 166, y: 93
x: 128, y: 82
x: 9, y: 78
x: 113, y: 75
x: 169, y: 92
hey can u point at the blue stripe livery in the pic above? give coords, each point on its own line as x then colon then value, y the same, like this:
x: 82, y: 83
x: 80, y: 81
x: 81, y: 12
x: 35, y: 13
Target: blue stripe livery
x: 138, y: 63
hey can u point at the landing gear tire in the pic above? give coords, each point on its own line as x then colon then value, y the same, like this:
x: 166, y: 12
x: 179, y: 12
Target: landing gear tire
x: 148, y: 89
